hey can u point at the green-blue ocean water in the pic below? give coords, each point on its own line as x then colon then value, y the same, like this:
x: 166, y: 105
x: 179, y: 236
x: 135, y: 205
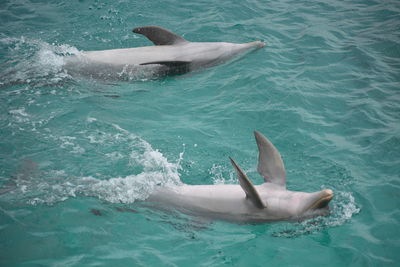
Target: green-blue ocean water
x: 77, y: 155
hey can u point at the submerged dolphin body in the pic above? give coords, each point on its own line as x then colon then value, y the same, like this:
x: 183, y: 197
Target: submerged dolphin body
x: 171, y: 55
x: 245, y: 202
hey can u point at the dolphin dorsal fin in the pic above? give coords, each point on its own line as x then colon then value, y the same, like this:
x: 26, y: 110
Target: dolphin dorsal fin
x: 270, y: 164
x: 159, y: 36
x: 248, y: 187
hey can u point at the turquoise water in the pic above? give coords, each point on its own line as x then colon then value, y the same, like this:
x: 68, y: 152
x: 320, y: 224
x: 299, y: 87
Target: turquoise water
x: 77, y: 155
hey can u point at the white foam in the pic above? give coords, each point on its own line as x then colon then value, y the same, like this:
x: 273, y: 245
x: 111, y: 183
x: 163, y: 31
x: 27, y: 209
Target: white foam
x: 20, y: 115
x: 34, y: 61
x: 114, y: 155
x: 58, y: 185
x: 20, y: 112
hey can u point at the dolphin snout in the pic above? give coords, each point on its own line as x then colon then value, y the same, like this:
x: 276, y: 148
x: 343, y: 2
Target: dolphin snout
x: 257, y: 44
x: 323, y: 199
x: 260, y: 44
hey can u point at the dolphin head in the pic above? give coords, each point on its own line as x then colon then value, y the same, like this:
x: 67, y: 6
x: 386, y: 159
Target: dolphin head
x: 281, y: 204
x: 313, y: 204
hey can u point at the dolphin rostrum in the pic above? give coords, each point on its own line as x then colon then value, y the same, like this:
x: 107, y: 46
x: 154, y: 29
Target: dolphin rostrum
x: 246, y: 203
x: 171, y: 55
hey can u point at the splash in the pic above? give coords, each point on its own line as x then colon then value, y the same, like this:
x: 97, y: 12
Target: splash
x: 343, y: 209
x: 149, y: 167
x: 33, y: 62
x: 218, y: 174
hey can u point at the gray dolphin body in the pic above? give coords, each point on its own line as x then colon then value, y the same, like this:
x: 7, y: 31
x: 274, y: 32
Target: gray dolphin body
x: 171, y: 55
x: 245, y: 202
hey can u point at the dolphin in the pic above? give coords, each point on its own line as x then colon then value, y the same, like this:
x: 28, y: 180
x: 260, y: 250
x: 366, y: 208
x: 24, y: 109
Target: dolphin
x: 171, y: 55
x: 246, y: 203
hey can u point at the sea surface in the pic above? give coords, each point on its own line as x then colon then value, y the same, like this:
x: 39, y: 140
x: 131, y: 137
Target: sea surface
x: 78, y: 155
